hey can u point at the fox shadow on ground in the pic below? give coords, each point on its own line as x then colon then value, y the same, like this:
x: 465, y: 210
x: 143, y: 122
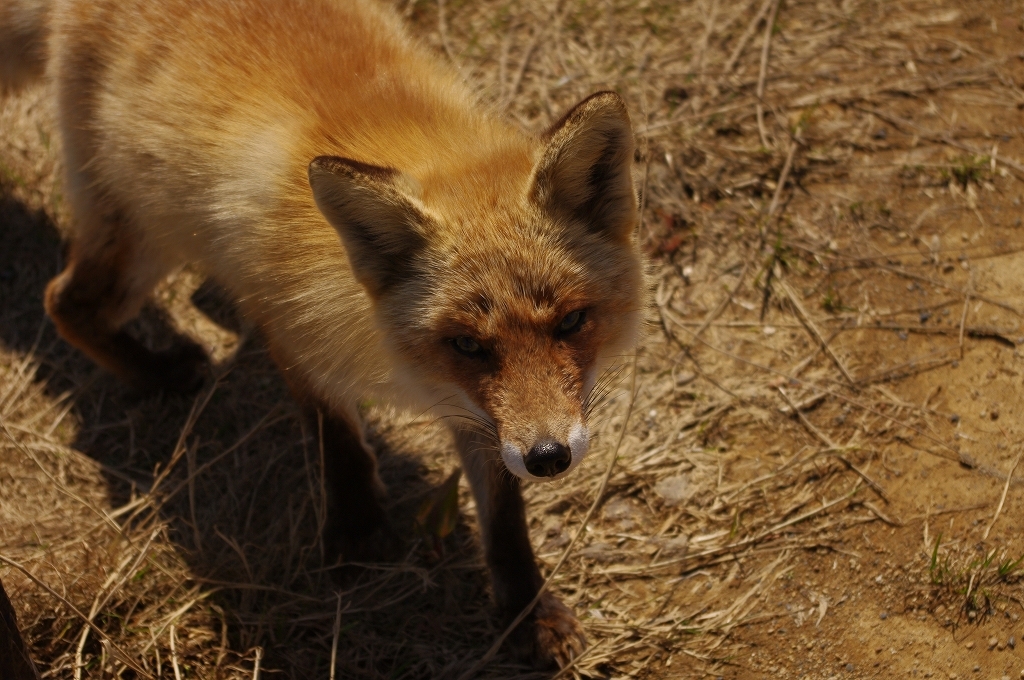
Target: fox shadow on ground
x: 249, y: 521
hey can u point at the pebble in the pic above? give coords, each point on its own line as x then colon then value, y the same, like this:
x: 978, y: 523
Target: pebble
x: 969, y: 645
x: 883, y: 615
x: 1011, y: 643
x: 849, y: 668
x: 992, y: 642
x: 685, y: 378
x: 674, y: 489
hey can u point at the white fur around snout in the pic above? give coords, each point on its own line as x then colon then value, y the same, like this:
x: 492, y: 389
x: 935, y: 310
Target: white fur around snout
x: 579, y: 444
x: 514, y: 457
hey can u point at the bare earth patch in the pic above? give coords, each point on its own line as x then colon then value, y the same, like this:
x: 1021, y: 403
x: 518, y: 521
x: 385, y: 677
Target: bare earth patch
x: 811, y: 473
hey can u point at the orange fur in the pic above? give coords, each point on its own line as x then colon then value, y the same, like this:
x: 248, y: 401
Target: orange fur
x: 365, y: 212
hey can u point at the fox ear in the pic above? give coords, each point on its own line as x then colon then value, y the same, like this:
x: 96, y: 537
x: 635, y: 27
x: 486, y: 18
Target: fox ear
x: 585, y: 173
x: 380, y: 226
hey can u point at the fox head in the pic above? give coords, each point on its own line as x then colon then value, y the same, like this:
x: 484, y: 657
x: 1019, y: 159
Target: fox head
x: 505, y: 287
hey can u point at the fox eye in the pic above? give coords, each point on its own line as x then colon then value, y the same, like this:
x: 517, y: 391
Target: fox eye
x: 572, y: 322
x: 468, y: 346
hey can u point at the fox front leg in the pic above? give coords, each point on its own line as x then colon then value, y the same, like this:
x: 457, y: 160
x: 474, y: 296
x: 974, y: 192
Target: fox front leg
x: 550, y: 635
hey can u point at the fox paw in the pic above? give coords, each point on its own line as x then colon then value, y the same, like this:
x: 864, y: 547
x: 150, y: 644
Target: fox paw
x: 549, y: 637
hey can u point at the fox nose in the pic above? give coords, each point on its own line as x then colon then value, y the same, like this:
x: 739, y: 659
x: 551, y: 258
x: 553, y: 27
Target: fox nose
x: 548, y: 459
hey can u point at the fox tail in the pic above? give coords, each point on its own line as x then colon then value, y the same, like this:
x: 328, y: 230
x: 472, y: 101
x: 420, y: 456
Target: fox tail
x: 23, y: 42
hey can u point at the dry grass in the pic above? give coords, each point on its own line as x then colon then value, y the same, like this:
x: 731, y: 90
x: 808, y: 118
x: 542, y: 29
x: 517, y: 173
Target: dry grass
x: 184, y: 532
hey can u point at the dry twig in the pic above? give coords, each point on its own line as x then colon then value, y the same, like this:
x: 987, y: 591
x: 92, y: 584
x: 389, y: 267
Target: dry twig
x: 1002, y: 498
x: 741, y: 44
x: 812, y: 328
x: 765, y: 49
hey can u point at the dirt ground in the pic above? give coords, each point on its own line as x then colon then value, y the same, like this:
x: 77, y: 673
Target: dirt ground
x: 811, y: 473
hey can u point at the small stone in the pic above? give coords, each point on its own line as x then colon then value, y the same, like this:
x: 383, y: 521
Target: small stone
x: 992, y: 642
x: 993, y: 414
x: 619, y: 508
x: 977, y: 668
x: 849, y: 668
x: 600, y: 552
x: 969, y: 645
x: 674, y: 489
x: 675, y: 95
x: 883, y: 615
x: 1012, y: 642
x: 685, y: 378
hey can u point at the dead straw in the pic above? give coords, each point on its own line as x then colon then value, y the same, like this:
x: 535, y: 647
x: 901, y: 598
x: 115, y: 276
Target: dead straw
x: 1002, y: 498
x: 336, y: 633
x: 765, y: 49
x: 118, y: 653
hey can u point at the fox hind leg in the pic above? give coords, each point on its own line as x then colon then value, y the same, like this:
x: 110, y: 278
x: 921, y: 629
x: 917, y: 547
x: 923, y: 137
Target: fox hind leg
x: 550, y: 635
x: 107, y: 279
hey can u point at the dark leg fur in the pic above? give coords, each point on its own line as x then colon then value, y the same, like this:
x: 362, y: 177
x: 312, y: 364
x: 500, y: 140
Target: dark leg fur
x: 357, y: 528
x: 550, y: 635
x: 81, y: 301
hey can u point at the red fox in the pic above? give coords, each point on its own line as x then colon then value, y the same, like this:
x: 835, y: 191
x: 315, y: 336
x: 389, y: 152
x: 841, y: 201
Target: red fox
x: 389, y: 236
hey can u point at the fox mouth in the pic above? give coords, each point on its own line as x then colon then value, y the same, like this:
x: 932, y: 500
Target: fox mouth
x: 548, y: 459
